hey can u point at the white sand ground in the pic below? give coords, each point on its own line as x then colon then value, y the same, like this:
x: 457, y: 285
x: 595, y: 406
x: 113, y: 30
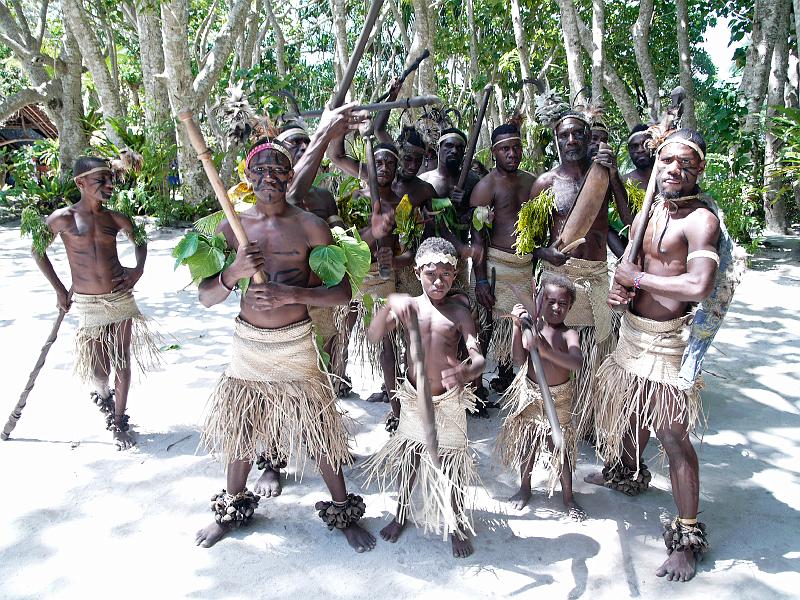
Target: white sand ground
x: 81, y: 520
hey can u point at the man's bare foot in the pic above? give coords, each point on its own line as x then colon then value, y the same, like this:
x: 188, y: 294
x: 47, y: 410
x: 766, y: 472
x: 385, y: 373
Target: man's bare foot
x: 596, y: 479
x: 269, y: 484
x: 207, y: 537
x: 575, y: 511
x: 521, y: 498
x: 680, y: 566
x: 392, y: 531
x: 124, y: 440
x: 462, y: 548
x: 359, y: 538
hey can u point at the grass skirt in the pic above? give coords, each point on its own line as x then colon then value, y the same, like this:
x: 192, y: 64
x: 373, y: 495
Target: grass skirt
x: 378, y: 289
x: 274, y: 398
x: 517, y: 271
x: 100, y: 320
x: 441, y: 507
x: 637, y: 385
x: 526, y: 428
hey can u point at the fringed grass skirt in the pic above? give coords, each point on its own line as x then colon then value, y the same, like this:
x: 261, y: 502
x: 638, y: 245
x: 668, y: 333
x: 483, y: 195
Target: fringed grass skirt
x: 274, y: 398
x: 101, y: 318
x: 526, y: 428
x: 637, y: 385
x: 510, y: 269
x: 404, y: 461
x: 378, y: 289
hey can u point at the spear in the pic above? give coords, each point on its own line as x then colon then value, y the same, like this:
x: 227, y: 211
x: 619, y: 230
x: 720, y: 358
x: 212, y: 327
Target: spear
x: 16, y: 414
x: 204, y: 154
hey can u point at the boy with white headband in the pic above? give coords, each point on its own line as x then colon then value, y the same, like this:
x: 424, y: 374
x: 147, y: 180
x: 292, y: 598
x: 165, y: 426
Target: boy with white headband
x: 639, y: 386
x: 110, y: 324
x: 444, y: 321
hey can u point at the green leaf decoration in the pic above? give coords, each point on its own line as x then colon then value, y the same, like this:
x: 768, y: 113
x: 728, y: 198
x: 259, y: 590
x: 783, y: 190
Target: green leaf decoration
x: 532, y: 226
x: 635, y: 195
x: 369, y: 307
x: 205, y: 256
x: 445, y: 217
x: 185, y: 248
x: 358, y: 255
x: 408, y: 223
x: 33, y: 224
x: 481, y: 217
x: 205, y: 262
x: 208, y: 225
x: 329, y: 263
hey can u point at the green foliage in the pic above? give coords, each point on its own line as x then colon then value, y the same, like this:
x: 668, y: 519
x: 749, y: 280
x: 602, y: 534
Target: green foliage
x: 350, y: 256
x: 208, y: 225
x: 33, y: 224
x: 445, y: 217
x: 205, y: 256
x: 329, y: 263
x: 354, y: 209
x: 785, y: 125
x: 408, y: 223
x: 123, y: 201
x: 532, y: 225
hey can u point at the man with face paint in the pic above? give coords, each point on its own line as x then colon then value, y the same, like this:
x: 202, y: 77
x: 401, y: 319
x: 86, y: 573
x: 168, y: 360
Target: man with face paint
x: 638, y: 384
x: 275, y: 396
x: 586, y: 265
x: 110, y: 328
x: 499, y: 197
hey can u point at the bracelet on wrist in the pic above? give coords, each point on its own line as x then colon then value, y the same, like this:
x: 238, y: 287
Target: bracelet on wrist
x: 222, y: 283
x: 637, y: 280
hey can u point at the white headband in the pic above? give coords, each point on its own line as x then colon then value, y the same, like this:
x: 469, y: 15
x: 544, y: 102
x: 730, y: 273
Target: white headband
x: 435, y: 258
x: 508, y: 139
x: 285, y: 135
x: 451, y: 135
x: 688, y: 143
x: 91, y: 171
x: 388, y: 150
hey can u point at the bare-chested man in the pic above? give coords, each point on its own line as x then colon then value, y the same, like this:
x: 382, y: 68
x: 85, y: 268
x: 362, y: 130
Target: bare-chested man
x: 638, y: 383
x: 444, y: 321
x: 503, y: 191
x: 274, y: 395
x: 586, y: 266
x: 386, y: 251
x: 641, y: 157
x: 109, y: 320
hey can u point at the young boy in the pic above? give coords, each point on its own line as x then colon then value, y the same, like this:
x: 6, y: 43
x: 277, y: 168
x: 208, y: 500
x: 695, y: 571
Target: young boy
x: 444, y: 320
x: 525, y: 434
x: 109, y: 322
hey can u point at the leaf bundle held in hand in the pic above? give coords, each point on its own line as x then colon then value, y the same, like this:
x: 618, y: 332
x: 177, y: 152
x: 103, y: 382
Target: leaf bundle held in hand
x: 409, y: 225
x: 350, y: 256
x: 33, y: 224
x: 533, y: 223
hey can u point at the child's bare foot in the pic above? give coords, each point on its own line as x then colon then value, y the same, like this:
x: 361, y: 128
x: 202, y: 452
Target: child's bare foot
x: 462, y: 548
x: 392, y: 531
x: 359, y: 538
x: 680, y: 566
x: 207, y: 537
x: 521, y: 498
x: 575, y: 511
x: 124, y: 440
x: 269, y: 484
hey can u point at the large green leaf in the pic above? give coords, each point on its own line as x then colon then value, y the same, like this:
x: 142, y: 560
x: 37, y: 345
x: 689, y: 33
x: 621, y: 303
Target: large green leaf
x: 185, y: 248
x: 357, y: 253
x: 208, y: 224
x: 329, y: 263
x: 205, y: 262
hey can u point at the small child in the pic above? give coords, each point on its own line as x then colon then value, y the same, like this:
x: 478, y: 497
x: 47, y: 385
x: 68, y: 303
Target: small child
x: 525, y: 434
x: 444, y: 319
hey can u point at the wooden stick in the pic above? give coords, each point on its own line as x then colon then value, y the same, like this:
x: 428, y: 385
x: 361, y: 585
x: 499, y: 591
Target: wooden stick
x: 424, y: 398
x: 672, y: 114
x: 358, y: 52
x: 375, y: 197
x: 547, y: 398
x: 473, y: 138
x: 16, y: 414
x: 204, y: 154
x: 404, y: 75
x: 412, y: 102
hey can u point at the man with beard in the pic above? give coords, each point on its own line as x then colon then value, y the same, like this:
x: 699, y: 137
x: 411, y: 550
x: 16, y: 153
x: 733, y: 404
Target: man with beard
x: 386, y: 252
x: 501, y: 194
x: 586, y: 265
x: 638, y: 385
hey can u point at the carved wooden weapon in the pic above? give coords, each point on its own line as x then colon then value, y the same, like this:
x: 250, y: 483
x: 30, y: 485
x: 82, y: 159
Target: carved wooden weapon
x: 411, y: 68
x: 412, y: 102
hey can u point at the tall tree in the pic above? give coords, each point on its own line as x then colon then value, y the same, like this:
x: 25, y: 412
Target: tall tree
x: 641, y: 47
x: 685, y: 62
x: 572, y: 45
x: 598, y: 33
x: 759, y: 54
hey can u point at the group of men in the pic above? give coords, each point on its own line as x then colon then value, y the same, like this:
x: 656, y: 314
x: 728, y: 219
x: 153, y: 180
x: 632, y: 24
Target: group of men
x: 276, y: 397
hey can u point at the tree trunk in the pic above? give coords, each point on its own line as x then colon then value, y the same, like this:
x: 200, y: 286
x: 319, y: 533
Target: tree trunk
x: 424, y: 32
x: 598, y: 31
x: 524, y: 67
x: 685, y: 63
x: 342, y: 55
x: 641, y: 46
x: 71, y: 135
x: 774, y: 198
x: 157, y: 117
x: 792, y: 96
x: 796, y: 11
x: 280, y: 40
x: 95, y: 61
x: 572, y: 45
x: 756, y: 71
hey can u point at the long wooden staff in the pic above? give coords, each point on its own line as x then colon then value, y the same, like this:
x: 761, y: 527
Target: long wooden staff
x: 469, y: 154
x: 412, y: 102
x: 547, y: 398
x: 358, y: 52
x: 404, y: 75
x: 672, y: 114
x: 375, y: 197
x: 424, y: 398
x: 16, y: 414
x: 204, y: 154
